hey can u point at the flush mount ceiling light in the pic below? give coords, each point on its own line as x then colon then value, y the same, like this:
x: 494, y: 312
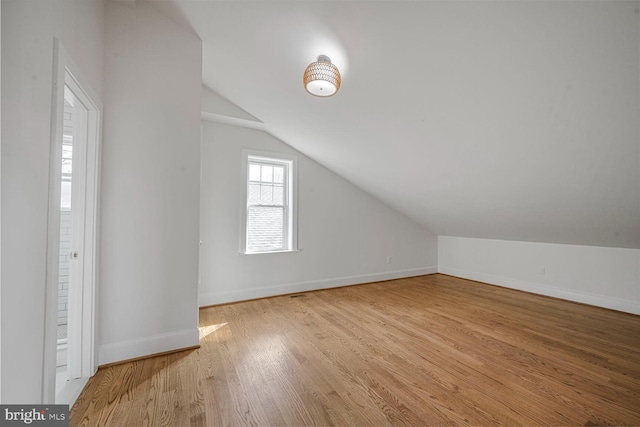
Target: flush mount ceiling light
x: 322, y: 78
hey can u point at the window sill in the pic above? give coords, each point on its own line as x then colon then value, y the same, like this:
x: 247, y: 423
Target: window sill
x: 270, y: 252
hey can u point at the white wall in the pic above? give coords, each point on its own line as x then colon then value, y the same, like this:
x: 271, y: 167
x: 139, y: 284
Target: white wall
x: 150, y: 184
x: 0, y: 205
x: 601, y: 276
x: 28, y: 29
x: 345, y: 235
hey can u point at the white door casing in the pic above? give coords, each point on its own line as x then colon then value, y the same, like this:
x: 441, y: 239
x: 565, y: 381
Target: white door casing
x: 85, y: 191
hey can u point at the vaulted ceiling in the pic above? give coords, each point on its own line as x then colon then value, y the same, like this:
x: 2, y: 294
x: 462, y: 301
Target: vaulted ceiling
x: 506, y: 120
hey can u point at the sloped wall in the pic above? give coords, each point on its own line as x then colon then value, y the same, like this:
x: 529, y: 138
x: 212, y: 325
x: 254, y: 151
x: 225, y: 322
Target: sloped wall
x: 344, y: 234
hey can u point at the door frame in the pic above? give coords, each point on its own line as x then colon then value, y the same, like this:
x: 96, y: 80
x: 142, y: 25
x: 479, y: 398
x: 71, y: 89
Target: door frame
x: 64, y: 69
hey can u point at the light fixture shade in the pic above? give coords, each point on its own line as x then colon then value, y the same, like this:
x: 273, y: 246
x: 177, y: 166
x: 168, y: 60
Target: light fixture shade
x: 322, y: 78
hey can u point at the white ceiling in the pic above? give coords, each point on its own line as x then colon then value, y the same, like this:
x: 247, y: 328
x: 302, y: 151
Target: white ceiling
x: 505, y: 120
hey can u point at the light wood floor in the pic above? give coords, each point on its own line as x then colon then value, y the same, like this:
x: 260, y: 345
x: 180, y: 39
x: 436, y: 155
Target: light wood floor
x: 430, y: 350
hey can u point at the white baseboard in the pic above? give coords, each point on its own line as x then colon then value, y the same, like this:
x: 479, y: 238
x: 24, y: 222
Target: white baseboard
x: 542, y: 289
x: 212, y: 298
x: 140, y: 347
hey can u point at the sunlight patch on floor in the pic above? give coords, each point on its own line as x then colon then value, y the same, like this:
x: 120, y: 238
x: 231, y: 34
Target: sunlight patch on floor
x: 206, y: 330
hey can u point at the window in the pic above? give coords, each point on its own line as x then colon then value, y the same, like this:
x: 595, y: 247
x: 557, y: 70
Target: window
x: 269, y: 214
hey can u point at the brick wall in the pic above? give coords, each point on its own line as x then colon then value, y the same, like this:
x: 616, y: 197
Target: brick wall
x: 65, y: 228
x: 63, y: 280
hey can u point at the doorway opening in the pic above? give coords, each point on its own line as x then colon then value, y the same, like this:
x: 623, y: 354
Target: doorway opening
x: 70, y: 356
x: 74, y: 127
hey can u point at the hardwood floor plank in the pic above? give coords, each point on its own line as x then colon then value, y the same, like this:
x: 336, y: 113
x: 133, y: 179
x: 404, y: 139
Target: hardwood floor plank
x: 429, y: 350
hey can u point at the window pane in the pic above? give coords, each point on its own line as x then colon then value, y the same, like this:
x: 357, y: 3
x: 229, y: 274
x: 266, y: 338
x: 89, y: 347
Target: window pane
x: 266, y: 195
x: 278, y: 174
x: 67, y: 151
x: 267, y: 198
x: 66, y: 166
x: 254, y: 194
x: 267, y: 173
x: 65, y: 195
x: 254, y: 172
x: 265, y: 228
x: 278, y: 195
x: 67, y: 155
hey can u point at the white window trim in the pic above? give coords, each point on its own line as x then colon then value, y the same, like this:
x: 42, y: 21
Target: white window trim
x: 292, y: 197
